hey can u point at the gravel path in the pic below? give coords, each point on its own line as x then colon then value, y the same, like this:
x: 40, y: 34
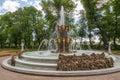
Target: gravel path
x: 9, y: 75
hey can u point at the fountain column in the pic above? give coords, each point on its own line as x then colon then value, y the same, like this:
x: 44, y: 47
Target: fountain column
x: 62, y: 39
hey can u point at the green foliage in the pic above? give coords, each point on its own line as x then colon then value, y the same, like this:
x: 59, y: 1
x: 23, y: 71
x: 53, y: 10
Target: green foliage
x: 3, y: 55
x: 51, y: 9
x: 105, y: 18
x: 20, y: 24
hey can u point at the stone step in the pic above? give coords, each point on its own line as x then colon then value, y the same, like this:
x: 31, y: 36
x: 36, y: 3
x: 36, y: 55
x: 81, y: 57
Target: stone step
x: 33, y: 65
x: 39, y: 59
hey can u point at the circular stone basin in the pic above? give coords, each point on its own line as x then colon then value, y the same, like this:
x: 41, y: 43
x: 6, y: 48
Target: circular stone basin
x: 45, y: 63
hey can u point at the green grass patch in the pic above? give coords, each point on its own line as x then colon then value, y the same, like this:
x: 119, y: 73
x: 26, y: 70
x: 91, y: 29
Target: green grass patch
x: 10, y: 49
x: 116, y: 51
x: 2, y: 55
x: 15, y: 50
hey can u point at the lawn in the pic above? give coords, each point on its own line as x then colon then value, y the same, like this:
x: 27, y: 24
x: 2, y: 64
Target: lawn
x: 117, y: 52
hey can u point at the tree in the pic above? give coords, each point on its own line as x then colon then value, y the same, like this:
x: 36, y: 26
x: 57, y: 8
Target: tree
x: 115, y: 21
x: 94, y: 18
x: 20, y: 24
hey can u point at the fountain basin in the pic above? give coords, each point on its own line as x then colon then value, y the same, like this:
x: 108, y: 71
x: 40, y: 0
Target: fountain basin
x: 45, y: 64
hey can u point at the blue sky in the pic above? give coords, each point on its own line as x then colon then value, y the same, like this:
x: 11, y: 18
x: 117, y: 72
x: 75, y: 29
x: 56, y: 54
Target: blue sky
x: 13, y: 5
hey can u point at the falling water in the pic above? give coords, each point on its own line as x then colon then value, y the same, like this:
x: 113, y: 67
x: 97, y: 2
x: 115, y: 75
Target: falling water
x: 51, y: 44
x: 43, y: 42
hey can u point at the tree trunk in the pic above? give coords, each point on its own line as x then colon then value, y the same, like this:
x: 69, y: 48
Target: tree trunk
x: 104, y: 39
x: 116, y: 27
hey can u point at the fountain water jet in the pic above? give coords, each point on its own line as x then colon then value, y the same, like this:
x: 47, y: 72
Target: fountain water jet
x: 43, y: 42
x: 62, y: 17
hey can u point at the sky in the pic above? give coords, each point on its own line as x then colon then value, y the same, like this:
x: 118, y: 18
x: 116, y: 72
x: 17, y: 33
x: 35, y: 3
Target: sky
x: 13, y: 5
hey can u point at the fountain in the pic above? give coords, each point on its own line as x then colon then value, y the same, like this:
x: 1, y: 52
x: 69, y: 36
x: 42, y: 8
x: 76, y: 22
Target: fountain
x: 62, y: 61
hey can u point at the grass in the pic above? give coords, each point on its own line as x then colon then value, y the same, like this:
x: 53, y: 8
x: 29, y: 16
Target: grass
x: 2, y: 55
x: 10, y: 49
x: 117, y: 52
x: 15, y: 50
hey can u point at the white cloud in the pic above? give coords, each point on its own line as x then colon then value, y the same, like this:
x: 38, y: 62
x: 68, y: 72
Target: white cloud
x: 24, y: 0
x: 37, y: 5
x: 13, y: 5
x: 0, y: 8
x: 10, y: 5
x: 30, y: 3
